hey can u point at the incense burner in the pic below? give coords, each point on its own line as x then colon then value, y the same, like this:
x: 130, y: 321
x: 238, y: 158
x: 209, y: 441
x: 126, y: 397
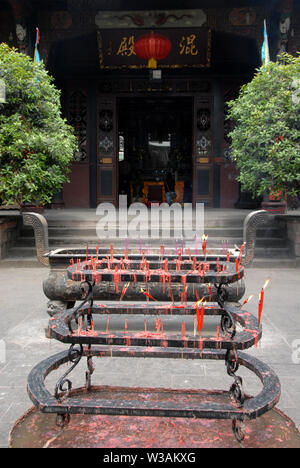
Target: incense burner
x: 189, y: 286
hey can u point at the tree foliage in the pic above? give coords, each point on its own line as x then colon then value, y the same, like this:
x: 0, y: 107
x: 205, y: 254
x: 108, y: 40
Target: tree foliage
x: 266, y: 135
x: 36, y: 143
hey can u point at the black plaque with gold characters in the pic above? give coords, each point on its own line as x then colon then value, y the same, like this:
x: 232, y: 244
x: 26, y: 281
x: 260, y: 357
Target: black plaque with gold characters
x: 191, y: 47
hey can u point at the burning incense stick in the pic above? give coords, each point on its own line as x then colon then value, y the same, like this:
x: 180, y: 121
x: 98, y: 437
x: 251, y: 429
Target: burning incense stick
x: 124, y: 290
x: 148, y: 295
x: 247, y: 300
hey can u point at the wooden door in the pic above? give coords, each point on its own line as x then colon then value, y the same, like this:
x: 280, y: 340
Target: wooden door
x: 203, y: 176
x: 107, y: 167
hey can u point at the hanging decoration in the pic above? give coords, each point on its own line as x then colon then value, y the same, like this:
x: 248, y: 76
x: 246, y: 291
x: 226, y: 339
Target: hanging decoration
x: 152, y: 47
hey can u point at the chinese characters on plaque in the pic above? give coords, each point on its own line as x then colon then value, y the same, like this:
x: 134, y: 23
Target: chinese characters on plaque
x: 190, y: 48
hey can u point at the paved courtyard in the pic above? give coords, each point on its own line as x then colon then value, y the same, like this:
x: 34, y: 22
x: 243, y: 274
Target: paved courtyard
x: 23, y: 344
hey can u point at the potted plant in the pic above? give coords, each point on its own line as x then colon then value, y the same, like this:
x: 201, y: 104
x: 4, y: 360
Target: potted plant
x: 36, y: 143
x: 266, y: 136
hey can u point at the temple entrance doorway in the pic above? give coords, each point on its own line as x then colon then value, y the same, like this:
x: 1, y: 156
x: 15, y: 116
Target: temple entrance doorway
x: 155, y: 161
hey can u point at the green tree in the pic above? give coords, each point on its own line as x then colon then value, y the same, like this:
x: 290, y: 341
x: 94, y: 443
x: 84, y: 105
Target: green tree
x: 36, y: 143
x: 266, y: 134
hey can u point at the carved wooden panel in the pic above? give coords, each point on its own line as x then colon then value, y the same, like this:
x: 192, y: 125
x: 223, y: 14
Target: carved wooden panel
x: 77, y: 117
x: 77, y: 192
x: 107, y: 149
x: 203, y: 149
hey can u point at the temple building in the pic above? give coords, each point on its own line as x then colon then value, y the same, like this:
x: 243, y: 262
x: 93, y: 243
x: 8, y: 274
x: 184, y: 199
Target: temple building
x: 136, y: 124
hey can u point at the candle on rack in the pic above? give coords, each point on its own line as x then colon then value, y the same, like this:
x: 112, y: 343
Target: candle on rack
x: 204, y: 244
x: 111, y: 252
x: 87, y: 252
x: 183, y: 280
x: 241, y: 251
x: 200, y: 315
x: 162, y: 251
x: 116, y: 279
x: 261, y: 300
x: 97, y: 252
x: 260, y: 305
x: 210, y: 292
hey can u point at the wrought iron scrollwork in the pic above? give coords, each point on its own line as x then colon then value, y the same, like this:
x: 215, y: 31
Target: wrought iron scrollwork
x: 74, y: 357
x: 231, y: 362
x: 88, y: 297
x: 228, y: 325
x: 232, y: 365
x: 236, y: 390
x: 238, y: 428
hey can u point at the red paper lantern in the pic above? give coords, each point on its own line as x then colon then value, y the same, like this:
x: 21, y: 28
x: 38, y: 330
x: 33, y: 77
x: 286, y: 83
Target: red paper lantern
x: 152, y: 47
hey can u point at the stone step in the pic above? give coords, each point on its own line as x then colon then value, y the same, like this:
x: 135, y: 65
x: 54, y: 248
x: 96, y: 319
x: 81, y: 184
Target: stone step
x: 223, y: 227
x: 60, y: 242
x: 272, y: 253
x: 270, y: 263
x: 224, y: 233
x: 210, y: 223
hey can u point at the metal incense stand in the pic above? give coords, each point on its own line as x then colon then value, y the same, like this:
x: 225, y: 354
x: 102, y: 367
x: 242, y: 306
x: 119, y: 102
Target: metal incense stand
x: 239, y: 330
